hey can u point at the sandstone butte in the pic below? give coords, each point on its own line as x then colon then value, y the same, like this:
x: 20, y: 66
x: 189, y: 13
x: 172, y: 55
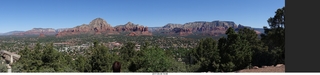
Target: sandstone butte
x: 99, y: 26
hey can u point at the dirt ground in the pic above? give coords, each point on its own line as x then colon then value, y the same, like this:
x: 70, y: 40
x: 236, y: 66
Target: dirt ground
x: 268, y: 69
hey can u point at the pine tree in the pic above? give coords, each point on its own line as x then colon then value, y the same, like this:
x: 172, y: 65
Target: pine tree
x: 274, y: 37
x: 235, y: 51
x: 207, y: 55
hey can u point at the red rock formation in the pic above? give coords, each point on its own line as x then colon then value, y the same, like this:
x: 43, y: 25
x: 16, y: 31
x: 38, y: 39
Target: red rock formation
x: 42, y: 35
x: 145, y: 29
x: 100, y: 26
x: 204, y: 28
x: 132, y: 34
x: 185, y: 32
x: 130, y: 27
x: 182, y: 31
x: 96, y: 26
x: 58, y: 35
x: 213, y: 28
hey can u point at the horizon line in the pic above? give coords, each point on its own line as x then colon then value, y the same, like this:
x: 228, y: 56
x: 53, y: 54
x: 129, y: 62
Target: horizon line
x: 134, y: 23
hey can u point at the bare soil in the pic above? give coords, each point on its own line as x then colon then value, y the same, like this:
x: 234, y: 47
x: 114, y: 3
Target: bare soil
x: 275, y: 69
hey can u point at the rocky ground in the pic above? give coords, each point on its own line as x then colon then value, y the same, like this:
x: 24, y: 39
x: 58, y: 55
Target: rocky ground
x: 277, y: 69
x: 280, y: 68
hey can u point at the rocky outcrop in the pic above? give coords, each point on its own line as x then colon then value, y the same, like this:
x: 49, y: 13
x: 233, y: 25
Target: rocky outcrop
x: 130, y: 27
x: 205, y: 28
x: 182, y: 31
x: 132, y: 34
x: 99, y: 26
x: 134, y: 29
x: 213, y: 28
x: 41, y: 35
x: 96, y: 26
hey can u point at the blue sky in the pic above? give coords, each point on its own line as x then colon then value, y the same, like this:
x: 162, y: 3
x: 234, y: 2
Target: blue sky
x: 27, y: 14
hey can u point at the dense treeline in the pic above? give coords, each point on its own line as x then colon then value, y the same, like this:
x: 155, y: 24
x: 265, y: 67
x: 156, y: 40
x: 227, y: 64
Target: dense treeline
x: 236, y: 51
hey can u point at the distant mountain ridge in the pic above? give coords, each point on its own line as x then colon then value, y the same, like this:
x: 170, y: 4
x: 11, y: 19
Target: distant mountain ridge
x: 212, y: 28
x: 11, y: 32
x: 153, y: 28
x: 100, y: 26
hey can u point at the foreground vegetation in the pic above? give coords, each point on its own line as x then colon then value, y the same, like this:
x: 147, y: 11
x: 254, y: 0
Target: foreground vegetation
x: 239, y: 50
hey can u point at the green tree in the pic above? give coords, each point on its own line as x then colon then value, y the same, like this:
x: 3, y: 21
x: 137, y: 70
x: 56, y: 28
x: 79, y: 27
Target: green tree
x: 50, y: 59
x: 235, y: 52
x: 3, y: 68
x: 24, y: 61
x: 154, y: 59
x: 31, y: 60
x: 207, y: 55
x: 37, y: 57
x: 127, y: 53
x: 54, y: 61
x: 256, y: 45
x: 137, y: 59
x: 82, y: 64
x: 274, y: 37
x: 101, y: 58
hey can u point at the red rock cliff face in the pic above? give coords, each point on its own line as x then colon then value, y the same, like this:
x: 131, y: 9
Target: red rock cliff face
x: 134, y: 29
x: 41, y: 35
x: 203, y: 28
x: 99, y: 26
x: 96, y: 26
x: 145, y: 31
x: 182, y: 31
x: 199, y: 28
